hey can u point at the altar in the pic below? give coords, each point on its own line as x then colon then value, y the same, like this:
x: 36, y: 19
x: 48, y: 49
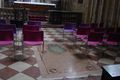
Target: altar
x: 34, y: 6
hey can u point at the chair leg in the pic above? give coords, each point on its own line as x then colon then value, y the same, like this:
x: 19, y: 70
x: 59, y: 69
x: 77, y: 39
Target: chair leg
x: 14, y: 51
x: 22, y: 49
x: 14, y: 48
x: 63, y: 34
x: 43, y: 48
x: 76, y: 40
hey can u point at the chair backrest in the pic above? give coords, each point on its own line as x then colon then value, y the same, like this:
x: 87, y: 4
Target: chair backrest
x: 95, y: 36
x: 8, y: 27
x: 31, y: 28
x: 2, y: 21
x: 114, y: 37
x: 99, y: 30
x: 84, y: 25
x: 6, y: 35
x: 94, y: 25
x: 117, y: 30
x: 37, y: 23
x: 101, y: 25
x: 83, y: 31
x: 33, y: 36
x: 69, y: 25
x: 109, y: 30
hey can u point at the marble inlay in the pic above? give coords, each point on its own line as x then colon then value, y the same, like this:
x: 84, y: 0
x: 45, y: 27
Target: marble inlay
x: 56, y: 48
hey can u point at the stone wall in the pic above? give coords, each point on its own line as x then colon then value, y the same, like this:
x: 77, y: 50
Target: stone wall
x: 99, y: 11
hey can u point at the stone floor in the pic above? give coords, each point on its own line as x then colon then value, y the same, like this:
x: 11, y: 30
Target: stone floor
x: 63, y: 59
x: 11, y: 69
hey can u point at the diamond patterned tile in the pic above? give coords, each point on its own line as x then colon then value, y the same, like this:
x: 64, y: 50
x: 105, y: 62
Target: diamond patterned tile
x: 117, y: 60
x: 7, y: 61
x: 46, y: 36
x: 28, y: 70
x: 7, y: 73
x: 105, y: 61
x: 40, y: 78
x: 58, y: 40
x: 8, y: 52
x: 21, y: 76
x: 31, y: 60
x: 2, y: 66
x: 48, y: 39
x: 1, y: 79
x: 29, y: 52
x: 33, y: 56
x: 2, y: 56
x: 20, y: 66
x: 36, y: 65
x: 32, y: 71
x: 3, y: 49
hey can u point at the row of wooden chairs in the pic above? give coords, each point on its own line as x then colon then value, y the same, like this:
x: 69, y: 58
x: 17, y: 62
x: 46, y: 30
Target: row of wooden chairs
x: 8, y: 33
x: 99, y: 38
x: 94, y: 34
x: 80, y: 32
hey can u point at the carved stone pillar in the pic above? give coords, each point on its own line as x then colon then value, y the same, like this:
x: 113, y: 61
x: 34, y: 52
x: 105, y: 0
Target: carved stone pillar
x: 0, y: 4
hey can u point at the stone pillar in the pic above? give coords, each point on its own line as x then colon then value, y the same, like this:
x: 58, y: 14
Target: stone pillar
x: 1, y: 3
x: 119, y: 15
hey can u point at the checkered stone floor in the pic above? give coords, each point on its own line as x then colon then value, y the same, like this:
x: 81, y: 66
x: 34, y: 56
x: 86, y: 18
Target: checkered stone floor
x: 18, y: 70
x: 29, y: 70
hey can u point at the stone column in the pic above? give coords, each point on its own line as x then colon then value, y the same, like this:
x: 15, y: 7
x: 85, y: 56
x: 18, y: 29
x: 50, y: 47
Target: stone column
x: 119, y: 15
x: 87, y: 12
x: 1, y: 3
